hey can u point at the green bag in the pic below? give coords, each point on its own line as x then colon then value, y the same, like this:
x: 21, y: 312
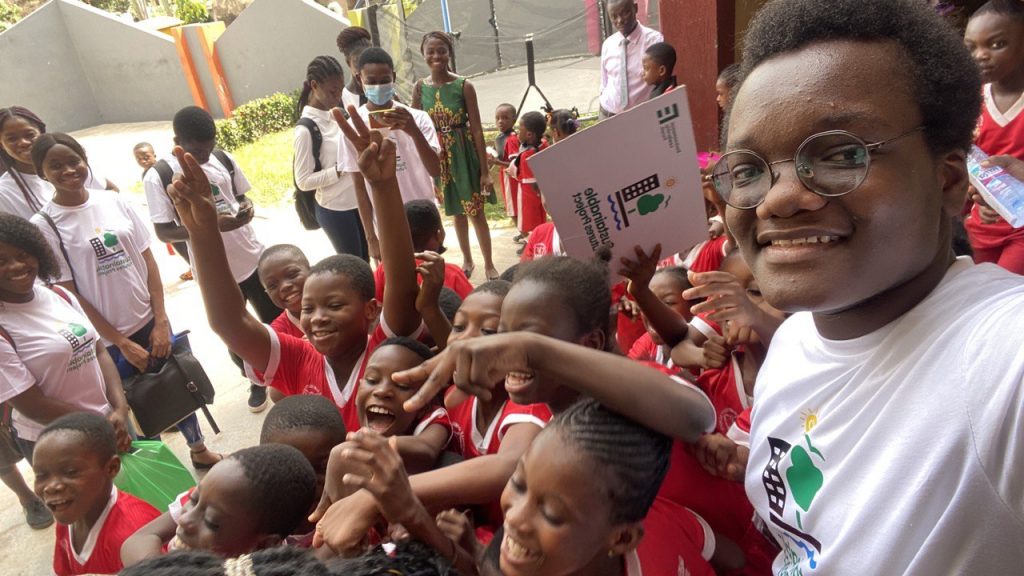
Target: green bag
x: 153, y: 473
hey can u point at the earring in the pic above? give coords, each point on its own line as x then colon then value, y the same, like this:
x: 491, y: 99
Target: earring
x: 611, y: 553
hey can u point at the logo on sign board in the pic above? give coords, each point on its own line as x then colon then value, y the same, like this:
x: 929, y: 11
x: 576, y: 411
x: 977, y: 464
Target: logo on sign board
x: 636, y: 199
x: 668, y: 114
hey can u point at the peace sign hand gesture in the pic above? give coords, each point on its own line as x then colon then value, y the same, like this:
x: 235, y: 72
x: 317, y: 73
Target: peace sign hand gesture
x: 376, y: 153
x: 191, y: 193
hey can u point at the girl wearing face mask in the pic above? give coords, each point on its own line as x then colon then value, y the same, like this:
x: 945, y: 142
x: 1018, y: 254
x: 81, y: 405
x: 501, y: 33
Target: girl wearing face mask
x: 411, y: 130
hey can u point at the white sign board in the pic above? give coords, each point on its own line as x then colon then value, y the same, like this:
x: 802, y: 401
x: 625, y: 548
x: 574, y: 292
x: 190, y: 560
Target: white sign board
x: 631, y: 180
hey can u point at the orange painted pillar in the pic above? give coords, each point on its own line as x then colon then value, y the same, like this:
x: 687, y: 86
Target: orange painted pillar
x: 189, y: 67
x: 208, y: 35
x: 703, y: 33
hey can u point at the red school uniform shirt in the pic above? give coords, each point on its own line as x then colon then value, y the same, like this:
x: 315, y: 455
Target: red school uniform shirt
x: 508, y: 148
x: 286, y: 324
x: 676, y: 541
x: 296, y: 367
x: 998, y: 133
x: 101, y: 553
x: 471, y: 442
x: 531, y: 209
x: 724, y: 386
x: 543, y: 241
x: 454, y: 278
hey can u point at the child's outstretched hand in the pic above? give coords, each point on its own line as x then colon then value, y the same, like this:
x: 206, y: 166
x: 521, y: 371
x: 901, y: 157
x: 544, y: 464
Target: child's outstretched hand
x: 476, y: 366
x: 376, y: 153
x: 191, y: 193
x: 376, y: 466
x: 431, y: 270
x: 640, y: 271
x: 722, y: 457
x: 725, y: 300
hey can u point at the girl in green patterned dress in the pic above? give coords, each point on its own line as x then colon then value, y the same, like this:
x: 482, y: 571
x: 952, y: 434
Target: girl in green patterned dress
x: 451, y: 102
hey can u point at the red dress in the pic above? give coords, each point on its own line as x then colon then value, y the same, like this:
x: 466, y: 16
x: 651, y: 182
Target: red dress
x: 531, y: 209
x: 508, y: 147
x: 998, y: 133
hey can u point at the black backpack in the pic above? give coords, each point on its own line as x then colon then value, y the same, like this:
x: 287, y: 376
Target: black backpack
x: 167, y: 175
x: 305, y: 200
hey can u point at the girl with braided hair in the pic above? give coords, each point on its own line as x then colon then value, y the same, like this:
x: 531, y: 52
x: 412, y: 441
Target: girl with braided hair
x: 22, y: 189
x: 337, y: 201
x: 465, y: 183
x: 409, y: 557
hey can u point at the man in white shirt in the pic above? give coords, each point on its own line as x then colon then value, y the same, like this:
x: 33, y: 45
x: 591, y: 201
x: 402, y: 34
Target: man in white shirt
x: 622, y: 55
x: 417, y: 146
x: 886, y: 427
x: 195, y: 131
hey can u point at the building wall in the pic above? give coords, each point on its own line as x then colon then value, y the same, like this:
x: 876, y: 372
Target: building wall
x: 42, y: 72
x: 266, y: 49
x: 135, y: 74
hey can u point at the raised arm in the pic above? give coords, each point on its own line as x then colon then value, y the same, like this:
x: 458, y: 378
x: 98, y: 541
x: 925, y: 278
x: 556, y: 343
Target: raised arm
x: 631, y: 388
x: 225, y: 307
x: 666, y: 322
x: 377, y: 164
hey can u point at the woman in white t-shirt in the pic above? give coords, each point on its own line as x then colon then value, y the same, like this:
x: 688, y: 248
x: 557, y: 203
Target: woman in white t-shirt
x: 351, y: 42
x: 22, y: 191
x: 51, y: 358
x: 107, y: 263
x: 337, y: 205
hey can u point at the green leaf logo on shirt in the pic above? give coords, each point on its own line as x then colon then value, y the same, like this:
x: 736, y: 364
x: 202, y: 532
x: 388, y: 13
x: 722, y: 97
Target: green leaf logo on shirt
x: 109, y: 239
x: 216, y: 189
x: 804, y: 478
x: 77, y: 329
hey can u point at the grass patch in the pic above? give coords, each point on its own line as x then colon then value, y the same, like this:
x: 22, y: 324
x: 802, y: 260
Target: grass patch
x: 267, y: 164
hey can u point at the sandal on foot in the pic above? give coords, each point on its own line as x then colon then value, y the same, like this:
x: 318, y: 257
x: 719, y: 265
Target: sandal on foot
x: 204, y: 465
x: 468, y: 270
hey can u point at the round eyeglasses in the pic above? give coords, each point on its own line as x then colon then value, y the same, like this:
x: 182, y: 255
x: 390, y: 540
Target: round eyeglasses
x: 829, y: 164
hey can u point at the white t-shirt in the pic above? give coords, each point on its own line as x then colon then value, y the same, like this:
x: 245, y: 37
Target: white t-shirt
x: 349, y: 98
x: 241, y: 245
x: 105, y: 239
x: 56, y: 351
x: 414, y: 181
x: 334, y: 191
x: 898, y: 452
x: 12, y: 198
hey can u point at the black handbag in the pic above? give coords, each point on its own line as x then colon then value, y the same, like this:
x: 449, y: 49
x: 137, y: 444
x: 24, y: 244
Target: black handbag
x: 162, y: 398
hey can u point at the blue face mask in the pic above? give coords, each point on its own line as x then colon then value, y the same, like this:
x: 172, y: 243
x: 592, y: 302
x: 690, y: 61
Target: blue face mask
x: 379, y: 94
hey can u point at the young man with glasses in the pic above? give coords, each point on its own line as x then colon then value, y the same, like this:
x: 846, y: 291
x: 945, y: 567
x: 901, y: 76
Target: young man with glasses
x: 886, y: 430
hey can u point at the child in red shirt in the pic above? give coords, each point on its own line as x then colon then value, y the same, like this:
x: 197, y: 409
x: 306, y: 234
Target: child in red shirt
x: 531, y: 209
x: 283, y: 269
x: 338, y: 303
x: 251, y: 500
x: 506, y: 146
x: 427, y: 236
x: 75, y: 462
x: 995, y: 37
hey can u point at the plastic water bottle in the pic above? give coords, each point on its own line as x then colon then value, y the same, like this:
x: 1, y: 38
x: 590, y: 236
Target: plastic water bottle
x: 1002, y: 192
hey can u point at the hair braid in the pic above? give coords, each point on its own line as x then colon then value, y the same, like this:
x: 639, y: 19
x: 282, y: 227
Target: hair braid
x: 629, y: 459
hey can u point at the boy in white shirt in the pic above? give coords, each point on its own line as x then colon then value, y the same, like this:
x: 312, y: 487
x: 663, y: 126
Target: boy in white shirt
x: 195, y: 131
x: 886, y: 427
x: 622, y: 59
x: 412, y: 130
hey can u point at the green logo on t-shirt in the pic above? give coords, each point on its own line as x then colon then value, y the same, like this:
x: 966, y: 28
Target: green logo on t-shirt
x: 109, y: 240
x: 77, y: 329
